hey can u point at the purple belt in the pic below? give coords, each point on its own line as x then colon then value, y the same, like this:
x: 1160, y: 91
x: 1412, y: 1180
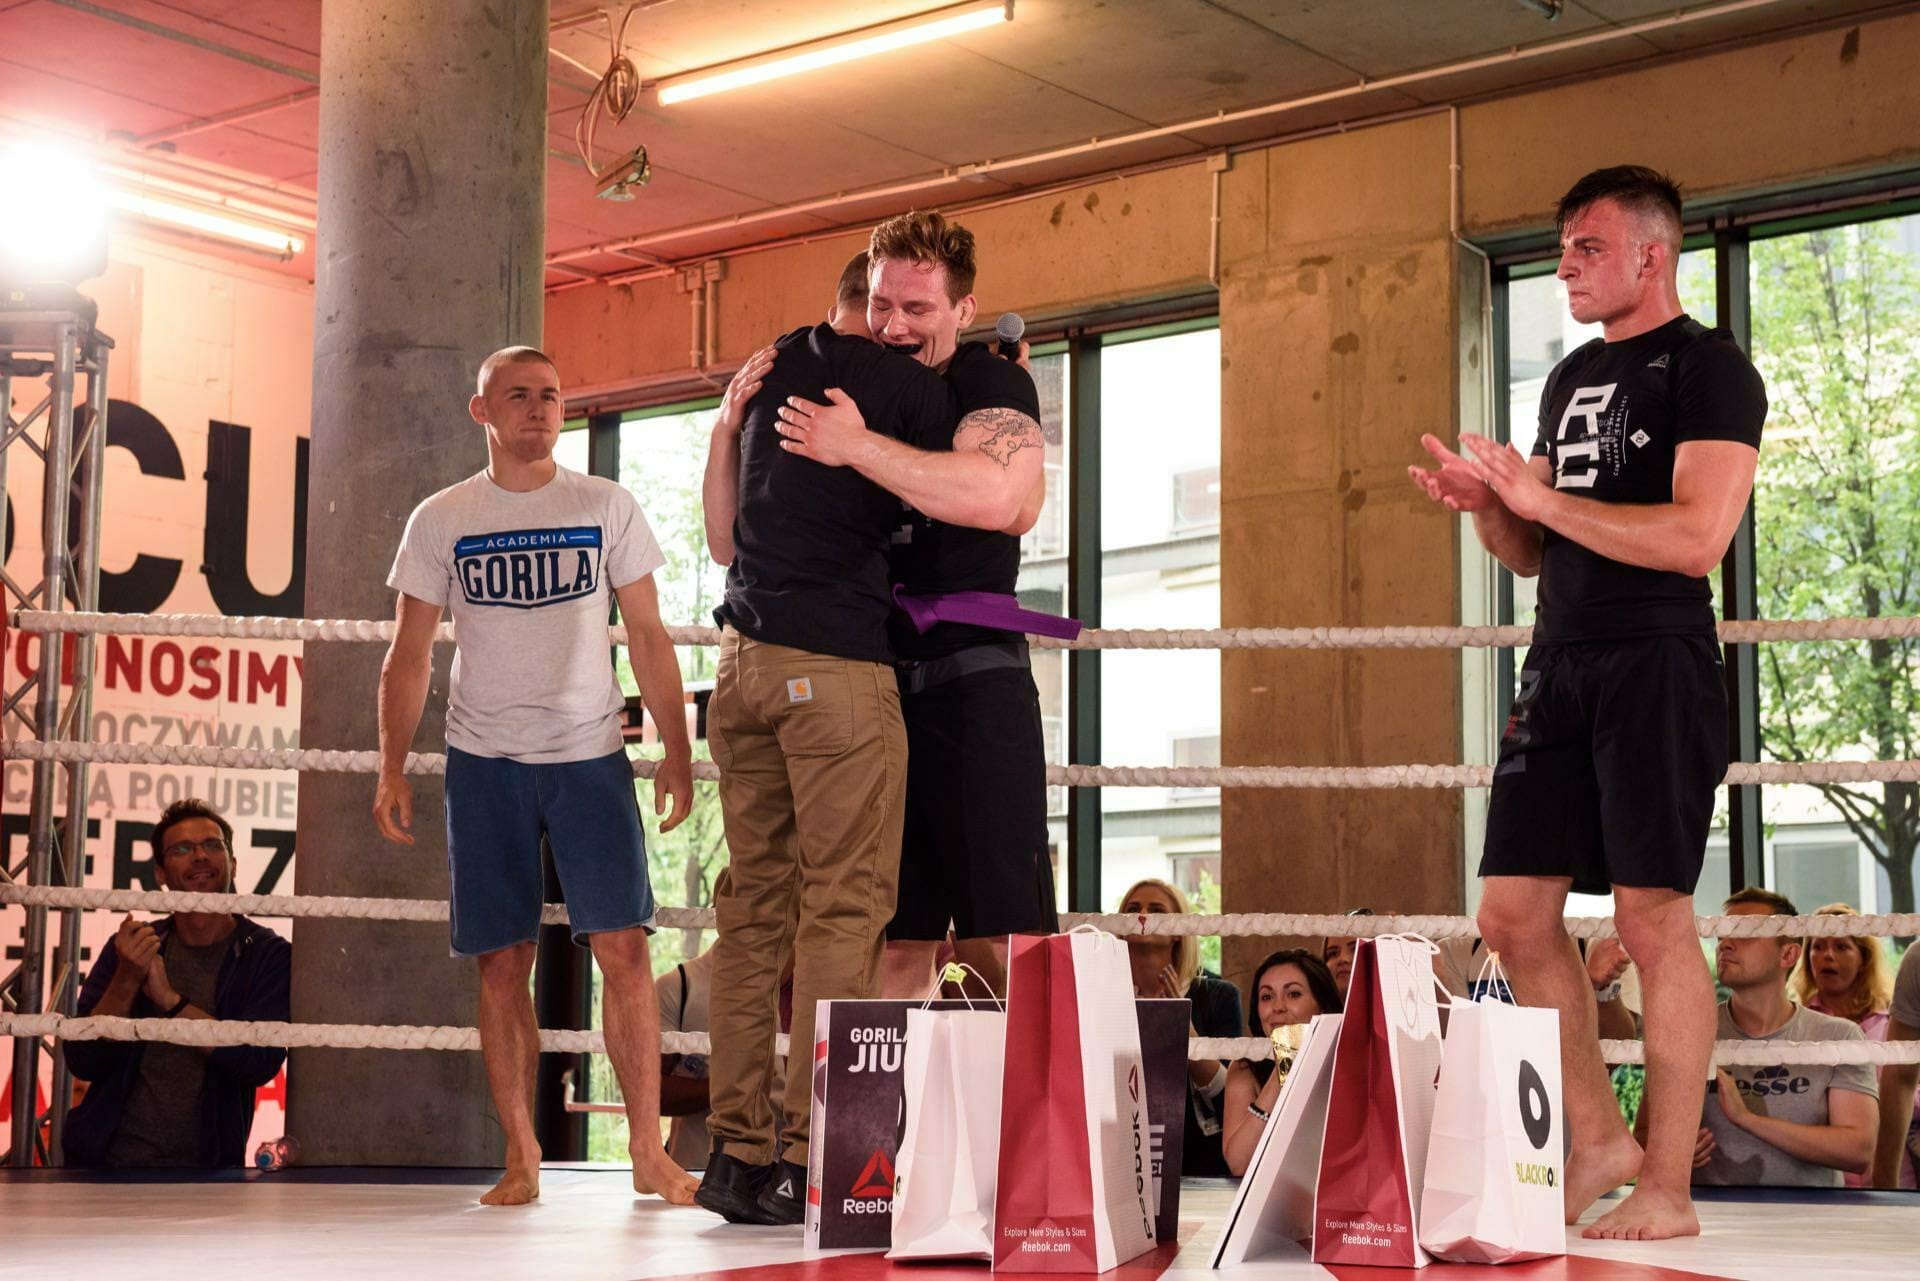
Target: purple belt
x: 982, y: 609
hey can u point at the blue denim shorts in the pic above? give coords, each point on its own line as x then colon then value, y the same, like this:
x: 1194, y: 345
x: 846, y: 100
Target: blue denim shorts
x: 497, y: 811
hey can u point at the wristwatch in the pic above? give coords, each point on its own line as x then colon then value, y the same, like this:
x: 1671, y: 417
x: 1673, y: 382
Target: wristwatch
x: 178, y: 1006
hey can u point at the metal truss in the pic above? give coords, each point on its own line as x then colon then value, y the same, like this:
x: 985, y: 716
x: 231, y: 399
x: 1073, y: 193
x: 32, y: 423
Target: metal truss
x: 46, y: 348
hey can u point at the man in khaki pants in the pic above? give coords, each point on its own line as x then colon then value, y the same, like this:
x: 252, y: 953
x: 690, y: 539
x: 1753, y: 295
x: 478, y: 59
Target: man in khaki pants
x: 805, y: 726
x: 805, y: 722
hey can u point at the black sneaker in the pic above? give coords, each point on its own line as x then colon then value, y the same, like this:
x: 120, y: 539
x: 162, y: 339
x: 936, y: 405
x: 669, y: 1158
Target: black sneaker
x: 732, y: 1189
x: 784, y: 1199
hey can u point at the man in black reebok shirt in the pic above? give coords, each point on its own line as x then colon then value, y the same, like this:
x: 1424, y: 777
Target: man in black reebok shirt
x: 1649, y: 438
x: 975, y: 853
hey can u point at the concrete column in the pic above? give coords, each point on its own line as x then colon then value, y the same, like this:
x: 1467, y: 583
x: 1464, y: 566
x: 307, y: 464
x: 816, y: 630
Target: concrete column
x: 431, y: 221
x: 1337, y: 330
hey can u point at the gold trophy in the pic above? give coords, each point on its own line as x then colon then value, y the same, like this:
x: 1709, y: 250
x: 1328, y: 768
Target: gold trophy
x: 1287, y: 1040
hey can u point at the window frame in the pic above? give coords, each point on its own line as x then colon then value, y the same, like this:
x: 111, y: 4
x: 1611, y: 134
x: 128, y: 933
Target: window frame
x: 1082, y: 341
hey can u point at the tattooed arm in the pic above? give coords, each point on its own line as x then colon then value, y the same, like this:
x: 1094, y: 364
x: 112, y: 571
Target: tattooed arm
x: 986, y: 481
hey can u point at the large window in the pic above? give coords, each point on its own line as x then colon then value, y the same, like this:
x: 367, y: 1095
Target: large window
x: 1836, y: 332
x: 1160, y: 567
x: 1834, y: 308
x: 1149, y: 418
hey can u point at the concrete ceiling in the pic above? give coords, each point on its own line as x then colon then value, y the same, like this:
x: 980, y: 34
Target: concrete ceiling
x: 221, y: 93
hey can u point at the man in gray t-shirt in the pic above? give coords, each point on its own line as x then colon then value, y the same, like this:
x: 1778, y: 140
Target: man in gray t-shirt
x: 1899, y: 1119
x: 528, y: 558
x: 1780, y: 1124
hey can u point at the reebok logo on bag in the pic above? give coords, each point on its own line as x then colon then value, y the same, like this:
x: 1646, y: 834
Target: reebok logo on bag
x: 873, y: 1190
x: 1139, y: 1158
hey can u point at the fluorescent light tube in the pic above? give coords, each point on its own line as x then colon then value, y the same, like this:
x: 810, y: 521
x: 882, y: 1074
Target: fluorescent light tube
x: 206, y: 222
x: 834, y: 50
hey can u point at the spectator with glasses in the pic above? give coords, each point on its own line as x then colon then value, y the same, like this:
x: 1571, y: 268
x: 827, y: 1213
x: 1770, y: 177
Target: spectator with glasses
x: 153, y: 1105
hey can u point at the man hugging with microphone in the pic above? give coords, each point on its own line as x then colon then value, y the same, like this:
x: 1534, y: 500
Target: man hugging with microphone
x: 974, y: 857
x: 855, y: 697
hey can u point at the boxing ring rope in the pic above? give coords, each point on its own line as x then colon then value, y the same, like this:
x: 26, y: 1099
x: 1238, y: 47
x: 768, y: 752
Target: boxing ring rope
x: 210, y: 1033
x: 1270, y: 776
x: 1233, y: 924
x: 202, y: 1032
x: 218, y: 626
x: 368, y: 1036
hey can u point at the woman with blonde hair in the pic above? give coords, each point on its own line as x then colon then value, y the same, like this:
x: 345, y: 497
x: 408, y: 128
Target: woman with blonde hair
x: 1167, y: 966
x: 1849, y: 978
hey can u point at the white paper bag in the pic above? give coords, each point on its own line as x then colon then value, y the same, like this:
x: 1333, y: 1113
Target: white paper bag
x: 1494, y: 1170
x: 944, y: 1176
x: 1272, y: 1213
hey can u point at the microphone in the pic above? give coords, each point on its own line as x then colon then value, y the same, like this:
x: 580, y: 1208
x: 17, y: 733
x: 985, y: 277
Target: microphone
x: 1009, y: 329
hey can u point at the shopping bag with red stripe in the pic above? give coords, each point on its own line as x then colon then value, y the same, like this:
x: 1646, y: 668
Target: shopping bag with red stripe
x: 1074, y: 1192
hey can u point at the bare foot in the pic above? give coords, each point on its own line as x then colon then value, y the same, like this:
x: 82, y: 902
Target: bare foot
x: 1594, y: 1172
x: 1648, y: 1214
x: 517, y: 1186
x: 655, y: 1173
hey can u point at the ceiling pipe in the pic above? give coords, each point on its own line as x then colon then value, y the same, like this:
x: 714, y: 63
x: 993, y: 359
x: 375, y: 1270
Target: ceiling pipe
x: 988, y: 168
x: 252, y: 111
x: 669, y: 267
x: 198, y: 42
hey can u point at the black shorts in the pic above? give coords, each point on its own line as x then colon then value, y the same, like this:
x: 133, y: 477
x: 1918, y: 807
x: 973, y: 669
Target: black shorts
x: 1609, y: 764
x: 975, y: 850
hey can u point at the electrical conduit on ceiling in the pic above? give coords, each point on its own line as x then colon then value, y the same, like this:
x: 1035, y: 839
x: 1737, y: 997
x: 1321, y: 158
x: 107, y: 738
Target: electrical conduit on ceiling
x: 988, y: 168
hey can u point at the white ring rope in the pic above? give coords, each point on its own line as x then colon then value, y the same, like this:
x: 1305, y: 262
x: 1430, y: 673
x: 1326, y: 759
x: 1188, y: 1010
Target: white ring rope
x: 212, y: 1033
x: 1237, y: 924
x: 1263, y: 776
x: 216, y: 1033
x: 1725, y: 1053
x: 1741, y: 632
x: 315, y: 906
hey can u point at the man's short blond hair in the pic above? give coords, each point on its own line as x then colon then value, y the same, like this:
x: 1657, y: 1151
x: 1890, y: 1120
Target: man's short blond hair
x: 925, y: 237
x: 511, y: 356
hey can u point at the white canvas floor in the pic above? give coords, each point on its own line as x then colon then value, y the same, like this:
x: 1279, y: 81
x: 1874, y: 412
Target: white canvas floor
x: 589, y: 1227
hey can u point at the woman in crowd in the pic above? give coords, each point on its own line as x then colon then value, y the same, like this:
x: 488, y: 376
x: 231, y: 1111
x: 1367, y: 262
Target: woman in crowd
x: 1849, y: 978
x: 1168, y: 966
x: 1289, y: 987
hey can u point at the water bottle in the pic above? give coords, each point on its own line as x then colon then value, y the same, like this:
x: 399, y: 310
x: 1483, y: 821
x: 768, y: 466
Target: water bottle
x: 276, y: 1154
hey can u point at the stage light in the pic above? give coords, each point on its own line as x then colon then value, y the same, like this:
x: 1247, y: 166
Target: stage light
x: 53, y: 216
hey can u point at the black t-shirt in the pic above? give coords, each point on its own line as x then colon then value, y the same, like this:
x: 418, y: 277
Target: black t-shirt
x: 1611, y: 419
x: 931, y: 556
x: 810, y: 541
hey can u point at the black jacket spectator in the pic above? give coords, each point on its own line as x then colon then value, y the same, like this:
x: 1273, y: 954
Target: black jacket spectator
x: 252, y: 986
